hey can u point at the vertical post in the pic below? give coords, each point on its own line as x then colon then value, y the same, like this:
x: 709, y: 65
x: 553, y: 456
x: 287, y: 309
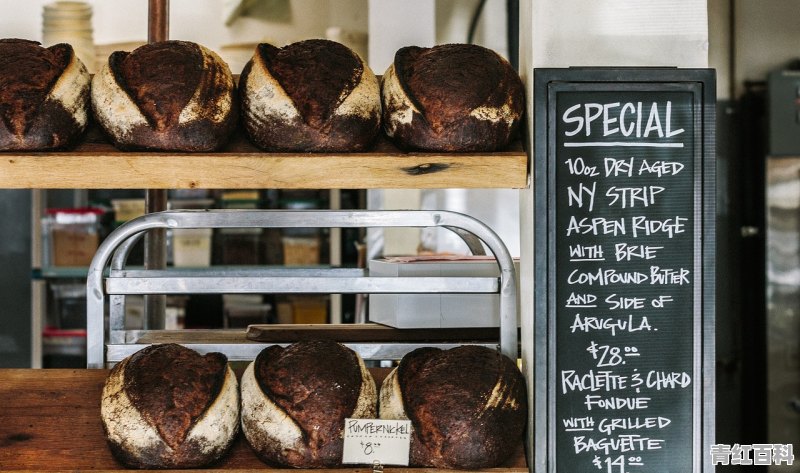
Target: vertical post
x: 155, y: 251
x: 158, y: 21
x: 537, y: 461
x: 38, y: 287
x: 335, y: 238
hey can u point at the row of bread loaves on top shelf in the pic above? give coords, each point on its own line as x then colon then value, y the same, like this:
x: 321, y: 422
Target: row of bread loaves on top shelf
x: 310, y: 96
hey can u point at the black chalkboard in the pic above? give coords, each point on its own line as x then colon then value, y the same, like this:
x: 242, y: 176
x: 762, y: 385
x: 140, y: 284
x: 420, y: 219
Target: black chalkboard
x: 624, y: 270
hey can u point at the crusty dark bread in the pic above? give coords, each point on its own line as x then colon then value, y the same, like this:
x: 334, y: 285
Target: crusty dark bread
x: 44, y: 96
x: 467, y: 405
x: 295, y: 400
x: 453, y: 97
x: 314, y: 95
x: 167, y: 406
x: 172, y: 96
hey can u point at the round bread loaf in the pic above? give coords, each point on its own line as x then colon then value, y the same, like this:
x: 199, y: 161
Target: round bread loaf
x: 171, y: 96
x: 167, y: 406
x: 467, y: 406
x: 295, y: 401
x: 453, y: 97
x: 314, y: 95
x: 44, y: 96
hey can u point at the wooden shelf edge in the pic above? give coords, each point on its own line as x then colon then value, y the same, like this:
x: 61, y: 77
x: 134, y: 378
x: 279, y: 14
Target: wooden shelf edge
x: 244, y: 171
x: 96, y: 164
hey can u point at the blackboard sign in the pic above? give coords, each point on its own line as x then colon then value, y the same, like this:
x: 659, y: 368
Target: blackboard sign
x: 624, y: 267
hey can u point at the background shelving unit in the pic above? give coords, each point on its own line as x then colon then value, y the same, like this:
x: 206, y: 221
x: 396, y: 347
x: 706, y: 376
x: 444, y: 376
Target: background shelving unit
x: 54, y: 348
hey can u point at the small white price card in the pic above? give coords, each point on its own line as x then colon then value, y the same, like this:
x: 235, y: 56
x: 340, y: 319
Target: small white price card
x: 370, y: 440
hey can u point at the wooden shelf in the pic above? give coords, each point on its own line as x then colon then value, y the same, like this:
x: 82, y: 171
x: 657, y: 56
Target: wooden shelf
x: 367, y: 332
x: 96, y: 164
x: 50, y: 421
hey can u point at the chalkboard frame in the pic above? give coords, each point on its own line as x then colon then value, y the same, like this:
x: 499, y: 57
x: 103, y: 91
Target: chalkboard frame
x: 701, y: 83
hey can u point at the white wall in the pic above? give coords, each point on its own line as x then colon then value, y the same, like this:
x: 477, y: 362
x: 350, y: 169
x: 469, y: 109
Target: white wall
x: 453, y: 19
x: 395, y: 24
x: 276, y: 21
x: 719, y: 32
x: 621, y: 33
x: 197, y: 20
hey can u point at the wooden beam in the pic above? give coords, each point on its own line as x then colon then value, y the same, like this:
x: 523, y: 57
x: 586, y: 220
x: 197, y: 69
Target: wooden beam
x: 277, y: 333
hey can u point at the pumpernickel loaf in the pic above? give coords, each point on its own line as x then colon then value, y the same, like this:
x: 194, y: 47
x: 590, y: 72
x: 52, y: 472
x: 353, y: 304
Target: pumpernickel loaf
x: 315, y: 95
x: 167, y: 406
x: 171, y: 95
x: 44, y: 96
x: 467, y: 406
x: 453, y: 97
x: 295, y: 401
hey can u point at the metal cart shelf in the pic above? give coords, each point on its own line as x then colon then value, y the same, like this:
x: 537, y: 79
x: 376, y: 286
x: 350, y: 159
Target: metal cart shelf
x: 108, y: 282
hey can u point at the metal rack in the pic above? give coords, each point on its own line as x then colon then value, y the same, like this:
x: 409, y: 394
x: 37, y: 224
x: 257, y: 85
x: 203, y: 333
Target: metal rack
x: 108, y: 282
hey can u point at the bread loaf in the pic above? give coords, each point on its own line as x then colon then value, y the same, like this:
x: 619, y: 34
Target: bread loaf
x: 44, y: 96
x: 172, y: 96
x: 167, y: 406
x: 295, y: 401
x: 467, y: 406
x: 453, y: 97
x: 315, y: 95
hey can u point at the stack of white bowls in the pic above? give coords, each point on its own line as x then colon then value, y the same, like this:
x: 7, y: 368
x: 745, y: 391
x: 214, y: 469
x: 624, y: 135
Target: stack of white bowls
x: 70, y: 22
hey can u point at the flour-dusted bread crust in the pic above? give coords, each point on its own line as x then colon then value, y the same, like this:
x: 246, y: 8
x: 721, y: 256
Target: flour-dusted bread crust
x: 171, y: 96
x: 167, y: 406
x: 315, y: 95
x: 44, y: 96
x: 453, y: 97
x: 468, y: 406
x: 295, y: 401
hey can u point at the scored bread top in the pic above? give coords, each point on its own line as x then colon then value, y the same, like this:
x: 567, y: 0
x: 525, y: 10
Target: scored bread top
x: 172, y: 82
x: 452, y: 97
x: 446, y: 82
x: 317, y: 383
x: 149, y: 399
x: 295, y: 400
x: 311, y: 96
x: 27, y: 74
x: 467, y: 405
x: 171, y: 95
x: 44, y: 95
x: 318, y: 75
x: 160, y: 78
x: 172, y: 387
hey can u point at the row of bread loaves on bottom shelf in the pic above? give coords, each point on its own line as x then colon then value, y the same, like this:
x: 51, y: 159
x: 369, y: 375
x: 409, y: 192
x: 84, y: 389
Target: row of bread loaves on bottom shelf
x: 167, y: 406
